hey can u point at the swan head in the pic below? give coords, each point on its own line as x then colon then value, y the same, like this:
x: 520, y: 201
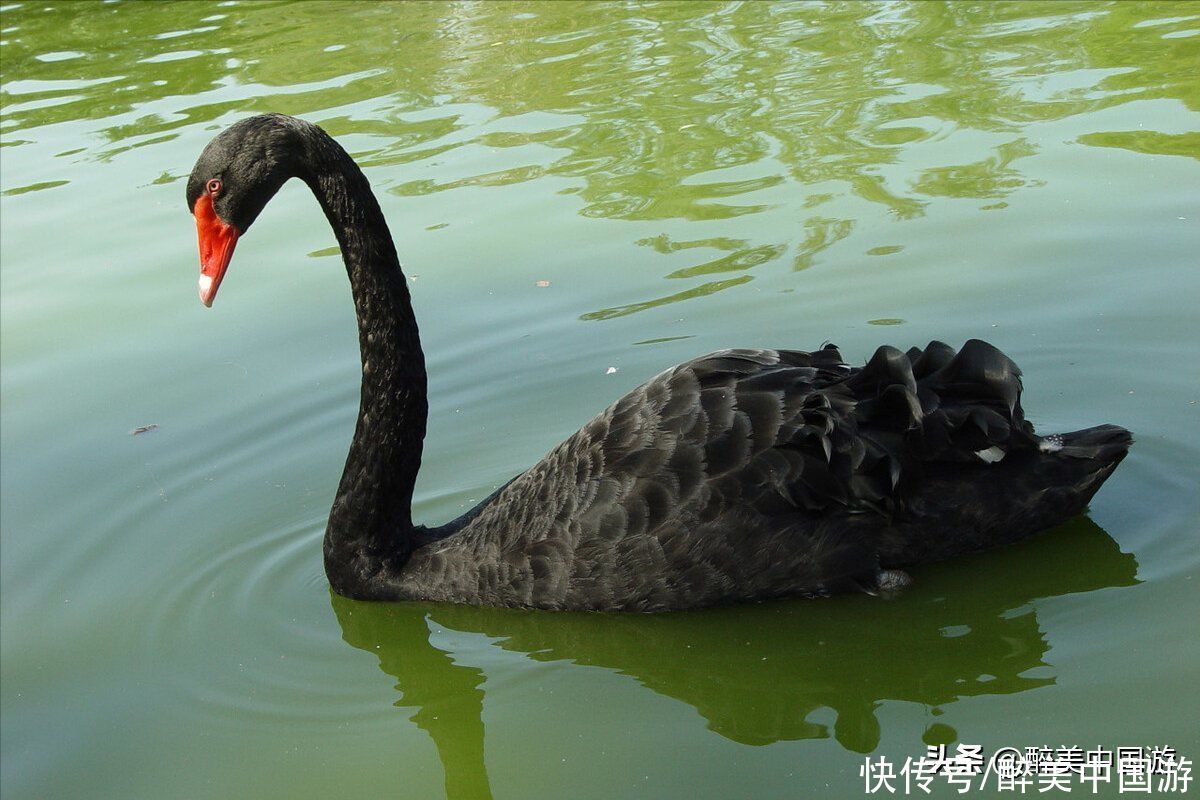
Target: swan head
x: 237, y: 174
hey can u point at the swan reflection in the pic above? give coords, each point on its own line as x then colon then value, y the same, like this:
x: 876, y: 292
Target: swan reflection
x: 757, y: 673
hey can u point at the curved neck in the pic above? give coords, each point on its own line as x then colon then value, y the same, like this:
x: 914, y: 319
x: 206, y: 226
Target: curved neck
x: 370, y: 527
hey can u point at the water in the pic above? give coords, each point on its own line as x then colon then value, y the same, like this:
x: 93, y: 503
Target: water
x: 686, y: 177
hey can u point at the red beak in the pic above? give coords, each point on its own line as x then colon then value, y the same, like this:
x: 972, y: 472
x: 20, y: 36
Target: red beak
x: 217, y: 240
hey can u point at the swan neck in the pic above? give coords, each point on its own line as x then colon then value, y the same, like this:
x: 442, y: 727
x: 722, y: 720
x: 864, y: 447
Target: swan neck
x: 370, y: 525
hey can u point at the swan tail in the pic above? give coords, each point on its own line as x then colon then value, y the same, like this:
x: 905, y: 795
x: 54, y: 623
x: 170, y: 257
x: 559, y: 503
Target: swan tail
x: 936, y: 442
x: 969, y: 470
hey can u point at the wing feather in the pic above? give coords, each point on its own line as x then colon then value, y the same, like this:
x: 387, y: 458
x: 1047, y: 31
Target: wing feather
x: 716, y: 477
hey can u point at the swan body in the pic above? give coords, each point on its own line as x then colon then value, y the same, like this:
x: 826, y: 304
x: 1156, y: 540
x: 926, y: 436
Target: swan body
x: 741, y: 475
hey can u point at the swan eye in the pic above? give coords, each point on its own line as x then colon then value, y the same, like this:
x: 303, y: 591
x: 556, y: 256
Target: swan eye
x: 214, y: 187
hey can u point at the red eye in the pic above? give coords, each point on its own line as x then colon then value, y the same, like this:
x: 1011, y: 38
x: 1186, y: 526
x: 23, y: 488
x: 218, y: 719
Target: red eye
x: 214, y: 187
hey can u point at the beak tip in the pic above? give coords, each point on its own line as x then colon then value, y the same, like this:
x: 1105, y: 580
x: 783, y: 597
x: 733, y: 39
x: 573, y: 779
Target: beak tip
x: 206, y: 291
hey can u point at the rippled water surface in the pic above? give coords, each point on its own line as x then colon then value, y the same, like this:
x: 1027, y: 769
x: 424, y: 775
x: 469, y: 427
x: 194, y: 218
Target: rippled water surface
x: 582, y: 195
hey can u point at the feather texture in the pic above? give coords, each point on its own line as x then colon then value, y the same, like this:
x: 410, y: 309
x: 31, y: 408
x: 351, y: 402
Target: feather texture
x: 742, y: 475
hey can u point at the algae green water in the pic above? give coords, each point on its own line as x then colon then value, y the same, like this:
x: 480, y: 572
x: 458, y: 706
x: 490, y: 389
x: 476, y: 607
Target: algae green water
x: 582, y: 195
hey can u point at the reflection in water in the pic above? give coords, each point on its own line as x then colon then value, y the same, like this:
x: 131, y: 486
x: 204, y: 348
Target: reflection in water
x: 1149, y: 142
x: 702, y: 290
x: 448, y: 696
x: 724, y: 110
x: 965, y: 629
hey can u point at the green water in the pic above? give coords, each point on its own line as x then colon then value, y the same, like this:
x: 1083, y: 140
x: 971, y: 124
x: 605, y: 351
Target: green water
x: 685, y: 177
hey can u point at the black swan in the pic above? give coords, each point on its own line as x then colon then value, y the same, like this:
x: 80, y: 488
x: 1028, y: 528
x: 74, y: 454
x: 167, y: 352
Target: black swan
x: 742, y: 475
